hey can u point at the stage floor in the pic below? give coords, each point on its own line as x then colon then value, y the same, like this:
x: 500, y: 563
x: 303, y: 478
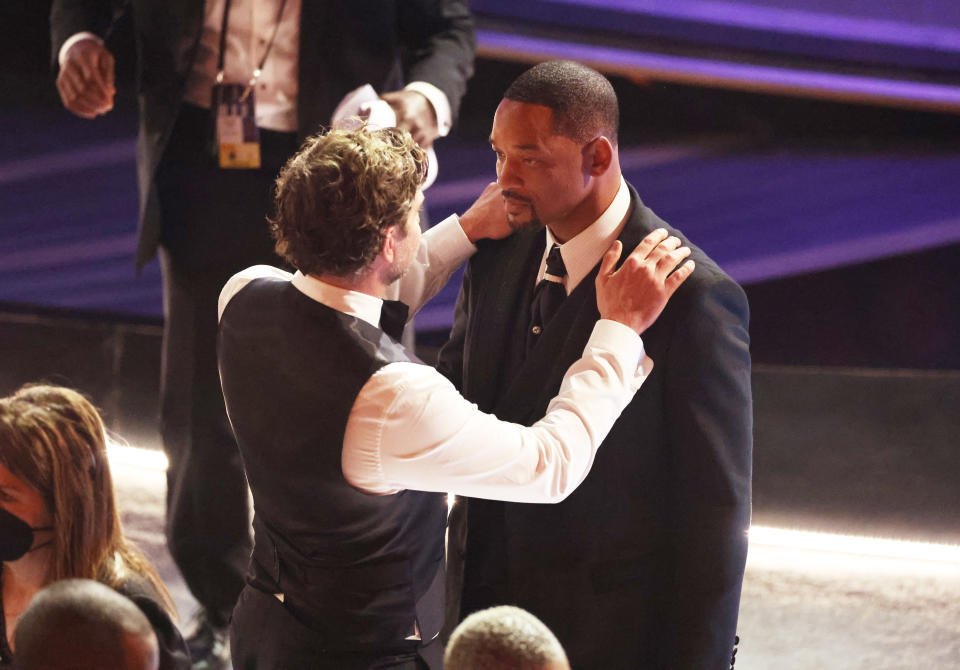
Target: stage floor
x: 801, y: 609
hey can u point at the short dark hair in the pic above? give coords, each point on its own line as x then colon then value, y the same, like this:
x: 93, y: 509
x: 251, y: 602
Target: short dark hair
x: 80, y: 623
x: 583, y: 101
x: 337, y: 196
x: 502, y: 638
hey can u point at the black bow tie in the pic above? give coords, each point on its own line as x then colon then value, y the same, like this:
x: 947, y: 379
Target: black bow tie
x: 393, y: 317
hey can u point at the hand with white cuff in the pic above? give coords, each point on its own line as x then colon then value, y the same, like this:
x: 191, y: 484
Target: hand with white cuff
x: 86, y: 78
x: 415, y: 114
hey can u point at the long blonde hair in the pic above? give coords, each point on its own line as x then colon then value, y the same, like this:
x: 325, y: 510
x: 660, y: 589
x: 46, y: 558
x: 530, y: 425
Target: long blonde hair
x: 54, y: 440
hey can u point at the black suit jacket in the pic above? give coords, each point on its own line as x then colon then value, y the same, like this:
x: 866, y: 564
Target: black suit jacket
x: 642, y: 566
x: 343, y: 44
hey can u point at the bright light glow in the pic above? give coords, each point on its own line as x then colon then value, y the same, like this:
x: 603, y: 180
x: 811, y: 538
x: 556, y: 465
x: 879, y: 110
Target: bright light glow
x: 760, y: 536
x: 124, y: 456
x: 853, y: 545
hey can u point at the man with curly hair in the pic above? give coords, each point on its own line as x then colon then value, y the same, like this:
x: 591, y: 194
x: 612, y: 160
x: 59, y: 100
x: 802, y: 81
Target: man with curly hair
x: 349, y: 442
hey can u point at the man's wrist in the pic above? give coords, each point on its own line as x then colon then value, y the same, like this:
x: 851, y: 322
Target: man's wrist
x: 73, y: 39
x: 438, y: 100
x: 615, y: 336
x: 470, y: 227
x: 451, y: 234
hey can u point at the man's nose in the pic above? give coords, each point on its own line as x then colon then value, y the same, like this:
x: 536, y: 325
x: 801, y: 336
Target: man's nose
x: 507, y: 174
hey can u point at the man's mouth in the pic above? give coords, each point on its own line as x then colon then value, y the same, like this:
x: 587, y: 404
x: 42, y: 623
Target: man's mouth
x: 512, y: 198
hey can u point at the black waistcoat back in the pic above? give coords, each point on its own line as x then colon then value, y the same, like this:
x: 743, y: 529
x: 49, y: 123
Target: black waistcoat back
x: 357, y: 568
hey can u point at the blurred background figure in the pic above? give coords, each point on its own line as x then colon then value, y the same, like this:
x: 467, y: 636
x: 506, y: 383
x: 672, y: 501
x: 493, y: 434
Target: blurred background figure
x: 504, y: 638
x: 55, y: 479
x: 81, y: 623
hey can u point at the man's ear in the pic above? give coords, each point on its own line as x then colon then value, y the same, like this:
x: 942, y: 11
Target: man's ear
x: 391, y: 239
x: 597, y: 156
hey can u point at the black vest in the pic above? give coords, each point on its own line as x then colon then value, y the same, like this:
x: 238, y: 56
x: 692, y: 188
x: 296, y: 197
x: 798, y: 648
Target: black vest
x: 357, y: 568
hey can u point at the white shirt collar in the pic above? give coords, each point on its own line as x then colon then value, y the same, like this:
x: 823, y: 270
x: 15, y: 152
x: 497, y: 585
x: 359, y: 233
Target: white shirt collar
x: 582, y: 252
x: 361, y: 305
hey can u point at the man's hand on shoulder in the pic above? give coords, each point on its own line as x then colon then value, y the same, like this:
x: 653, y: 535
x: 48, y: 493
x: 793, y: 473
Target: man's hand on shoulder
x: 85, y: 81
x: 487, y: 217
x: 636, y: 293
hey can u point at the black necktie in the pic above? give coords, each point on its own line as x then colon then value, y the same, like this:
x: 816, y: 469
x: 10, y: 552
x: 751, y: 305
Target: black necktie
x: 393, y: 317
x: 547, y: 296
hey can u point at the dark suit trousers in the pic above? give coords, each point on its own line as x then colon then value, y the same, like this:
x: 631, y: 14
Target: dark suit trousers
x: 213, y: 226
x: 265, y: 636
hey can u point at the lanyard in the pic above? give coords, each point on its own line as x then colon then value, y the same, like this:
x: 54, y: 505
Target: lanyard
x: 223, y: 46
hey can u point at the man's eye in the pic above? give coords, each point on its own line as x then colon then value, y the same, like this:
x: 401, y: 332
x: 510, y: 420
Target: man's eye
x: 531, y: 161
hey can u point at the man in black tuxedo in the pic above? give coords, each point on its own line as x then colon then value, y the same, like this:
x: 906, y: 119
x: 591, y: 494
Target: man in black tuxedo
x: 642, y: 566
x: 208, y: 222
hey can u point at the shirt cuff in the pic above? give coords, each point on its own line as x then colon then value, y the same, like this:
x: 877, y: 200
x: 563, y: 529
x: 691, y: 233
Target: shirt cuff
x: 438, y: 100
x: 623, y: 340
x: 449, y: 241
x: 73, y: 39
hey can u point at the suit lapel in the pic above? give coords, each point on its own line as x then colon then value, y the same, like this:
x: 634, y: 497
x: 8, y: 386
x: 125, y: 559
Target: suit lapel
x: 504, y: 279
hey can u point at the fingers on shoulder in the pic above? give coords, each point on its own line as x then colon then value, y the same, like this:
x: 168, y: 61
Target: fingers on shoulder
x: 681, y: 274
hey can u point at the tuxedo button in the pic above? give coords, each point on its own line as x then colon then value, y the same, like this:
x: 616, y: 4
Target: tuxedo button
x: 536, y: 330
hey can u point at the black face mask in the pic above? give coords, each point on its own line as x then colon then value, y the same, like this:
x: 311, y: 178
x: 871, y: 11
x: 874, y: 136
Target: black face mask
x: 16, y: 536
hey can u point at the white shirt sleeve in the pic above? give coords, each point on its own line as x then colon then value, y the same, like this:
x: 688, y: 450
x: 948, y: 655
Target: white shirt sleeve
x: 438, y: 100
x: 442, y: 250
x: 409, y: 428
x: 73, y: 39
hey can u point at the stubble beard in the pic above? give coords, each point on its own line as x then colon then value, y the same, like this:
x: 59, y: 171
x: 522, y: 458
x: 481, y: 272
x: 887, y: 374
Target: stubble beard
x: 397, y: 269
x: 532, y: 223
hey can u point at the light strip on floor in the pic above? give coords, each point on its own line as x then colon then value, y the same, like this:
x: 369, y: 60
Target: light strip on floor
x: 783, y: 538
x: 121, y: 455
x: 853, y: 545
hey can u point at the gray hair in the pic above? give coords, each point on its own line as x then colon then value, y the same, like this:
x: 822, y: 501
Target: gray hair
x: 502, y: 638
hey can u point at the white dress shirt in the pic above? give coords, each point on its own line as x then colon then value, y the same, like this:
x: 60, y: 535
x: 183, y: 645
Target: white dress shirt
x: 251, y: 23
x: 582, y: 253
x: 409, y: 428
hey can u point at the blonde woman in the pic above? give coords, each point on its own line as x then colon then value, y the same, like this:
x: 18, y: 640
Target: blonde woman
x: 56, y: 487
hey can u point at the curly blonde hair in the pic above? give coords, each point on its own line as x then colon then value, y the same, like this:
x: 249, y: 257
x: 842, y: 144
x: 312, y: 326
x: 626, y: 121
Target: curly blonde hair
x: 338, y: 195
x: 54, y: 441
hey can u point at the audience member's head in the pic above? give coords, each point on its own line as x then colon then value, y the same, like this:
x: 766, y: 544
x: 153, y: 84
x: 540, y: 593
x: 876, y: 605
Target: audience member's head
x: 504, y: 638
x: 80, y: 623
x: 54, y: 467
x: 336, y: 199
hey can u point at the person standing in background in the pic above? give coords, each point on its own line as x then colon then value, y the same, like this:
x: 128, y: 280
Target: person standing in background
x: 227, y: 90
